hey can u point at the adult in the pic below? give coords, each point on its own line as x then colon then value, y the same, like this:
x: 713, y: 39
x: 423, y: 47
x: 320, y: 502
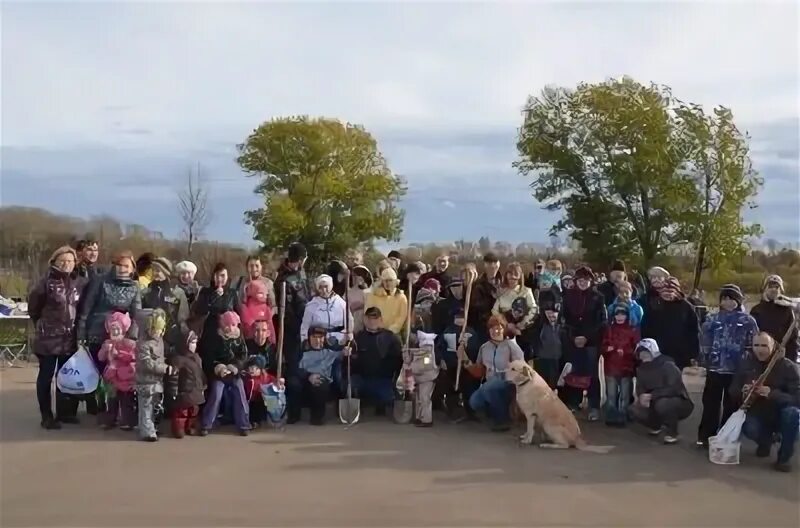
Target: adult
x: 672, y: 322
x: 411, y: 275
x: 186, y: 271
x: 516, y: 304
x: 327, y: 310
x: 357, y: 295
x: 260, y: 345
x: 776, y: 404
x: 494, y: 396
x: 255, y: 270
x: 585, y: 317
x: 775, y: 315
x: 213, y: 300
x: 662, y: 400
x: 390, y: 300
x: 440, y: 272
x: 338, y: 271
x: 161, y: 294
x: 377, y: 358
x: 144, y: 269
x: 88, y: 252
x: 116, y: 291
x: 298, y: 293
x: 532, y: 280
x: 616, y: 276
x: 484, y: 295
x: 656, y: 277
x: 450, y: 302
x: 395, y: 258
x: 52, y: 307
x: 353, y: 258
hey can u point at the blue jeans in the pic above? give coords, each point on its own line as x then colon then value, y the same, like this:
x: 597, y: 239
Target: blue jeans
x: 379, y: 390
x: 618, y: 395
x: 494, y: 397
x: 787, y: 426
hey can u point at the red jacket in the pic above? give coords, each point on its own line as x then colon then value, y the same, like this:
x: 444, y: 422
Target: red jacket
x: 252, y: 386
x: 620, y: 337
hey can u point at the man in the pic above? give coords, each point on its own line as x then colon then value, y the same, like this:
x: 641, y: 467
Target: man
x: 484, y: 294
x: 532, y: 280
x: 775, y: 407
x: 411, y: 275
x: 440, y: 272
x: 159, y: 293
x: 298, y: 293
x: 377, y: 359
x: 616, y: 277
x: 775, y: 315
x: 260, y: 345
x: 88, y: 251
x: 254, y: 273
x: 396, y: 259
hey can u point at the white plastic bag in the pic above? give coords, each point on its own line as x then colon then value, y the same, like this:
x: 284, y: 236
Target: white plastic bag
x: 78, y: 375
x: 730, y: 432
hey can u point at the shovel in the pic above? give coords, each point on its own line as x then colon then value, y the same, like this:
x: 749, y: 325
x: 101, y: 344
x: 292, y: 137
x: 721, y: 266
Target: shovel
x: 349, y: 408
x: 403, y: 410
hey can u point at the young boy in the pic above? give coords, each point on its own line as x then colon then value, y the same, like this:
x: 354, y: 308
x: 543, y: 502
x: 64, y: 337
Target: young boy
x: 619, y: 357
x: 727, y: 337
x: 377, y: 359
x: 447, y: 358
x: 421, y: 362
x: 548, y: 340
x: 188, y: 392
x: 625, y: 298
x: 256, y: 376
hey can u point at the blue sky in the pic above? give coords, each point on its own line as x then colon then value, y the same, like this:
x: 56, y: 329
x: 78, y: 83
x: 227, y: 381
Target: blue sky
x: 119, y: 100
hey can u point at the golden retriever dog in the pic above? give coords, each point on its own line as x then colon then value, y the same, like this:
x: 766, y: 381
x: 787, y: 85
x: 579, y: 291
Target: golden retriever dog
x: 541, y: 406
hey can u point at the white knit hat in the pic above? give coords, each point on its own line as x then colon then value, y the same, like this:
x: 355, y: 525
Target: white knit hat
x: 324, y: 280
x: 186, y: 265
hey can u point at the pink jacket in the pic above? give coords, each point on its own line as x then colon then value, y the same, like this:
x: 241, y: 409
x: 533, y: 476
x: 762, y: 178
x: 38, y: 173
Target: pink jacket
x: 120, y: 372
x: 253, y: 311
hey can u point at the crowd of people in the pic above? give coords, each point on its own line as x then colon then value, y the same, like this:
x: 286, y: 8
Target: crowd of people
x: 201, y: 354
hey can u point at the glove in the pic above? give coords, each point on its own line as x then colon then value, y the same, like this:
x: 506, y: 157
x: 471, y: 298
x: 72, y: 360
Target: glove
x: 220, y: 370
x: 233, y: 370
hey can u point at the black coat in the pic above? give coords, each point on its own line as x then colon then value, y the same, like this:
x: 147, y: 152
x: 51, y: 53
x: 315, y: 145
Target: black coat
x: 268, y: 352
x: 675, y: 328
x: 484, y: 295
x: 377, y: 354
x: 585, y: 314
x: 443, y: 312
x: 211, y: 306
x: 776, y: 319
x: 784, y: 384
x: 660, y: 378
x: 52, y: 307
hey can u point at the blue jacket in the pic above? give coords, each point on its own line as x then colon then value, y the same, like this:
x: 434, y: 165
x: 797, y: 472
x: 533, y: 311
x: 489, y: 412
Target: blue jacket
x: 319, y: 362
x: 635, y: 313
x: 727, y: 338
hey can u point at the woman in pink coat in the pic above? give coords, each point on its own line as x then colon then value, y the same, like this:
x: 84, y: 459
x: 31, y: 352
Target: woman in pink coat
x: 119, y: 354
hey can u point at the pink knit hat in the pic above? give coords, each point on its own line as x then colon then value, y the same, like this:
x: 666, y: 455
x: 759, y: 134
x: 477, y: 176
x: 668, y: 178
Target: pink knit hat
x: 229, y: 319
x: 118, y: 318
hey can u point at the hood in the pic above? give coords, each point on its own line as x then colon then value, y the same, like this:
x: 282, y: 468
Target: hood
x: 650, y: 345
x: 364, y: 273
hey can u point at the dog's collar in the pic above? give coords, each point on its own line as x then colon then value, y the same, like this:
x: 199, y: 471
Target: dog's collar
x: 524, y: 382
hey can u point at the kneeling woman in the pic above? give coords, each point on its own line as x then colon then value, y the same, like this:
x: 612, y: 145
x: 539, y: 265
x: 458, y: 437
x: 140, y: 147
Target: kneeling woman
x: 495, y: 395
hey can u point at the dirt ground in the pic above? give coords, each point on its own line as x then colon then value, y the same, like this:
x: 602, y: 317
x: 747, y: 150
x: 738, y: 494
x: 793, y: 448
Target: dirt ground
x: 375, y: 474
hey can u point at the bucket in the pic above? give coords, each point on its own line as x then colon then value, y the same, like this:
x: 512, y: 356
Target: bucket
x: 723, y: 453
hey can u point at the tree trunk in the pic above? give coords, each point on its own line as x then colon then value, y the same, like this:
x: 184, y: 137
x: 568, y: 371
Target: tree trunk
x: 699, y: 263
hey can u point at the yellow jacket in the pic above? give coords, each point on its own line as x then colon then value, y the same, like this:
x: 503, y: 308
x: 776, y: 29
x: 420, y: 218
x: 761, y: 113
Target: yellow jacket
x: 394, y: 308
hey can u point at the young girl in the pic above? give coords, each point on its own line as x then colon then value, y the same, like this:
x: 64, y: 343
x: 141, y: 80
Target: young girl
x: 191, y: 382
x: 150, y: 371
x: 619, y: 356
x: 119, y: 355
x: 256, y: 308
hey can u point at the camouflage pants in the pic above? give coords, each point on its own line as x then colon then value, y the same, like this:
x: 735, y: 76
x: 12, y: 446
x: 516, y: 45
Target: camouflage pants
x: 149, y: 398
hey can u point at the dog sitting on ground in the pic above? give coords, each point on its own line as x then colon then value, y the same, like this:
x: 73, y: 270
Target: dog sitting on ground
x: 541, y: 406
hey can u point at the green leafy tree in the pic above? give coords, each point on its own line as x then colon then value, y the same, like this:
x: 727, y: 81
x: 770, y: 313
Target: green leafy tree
x: 718, y: 158
x: 324, y: 183
x: 605, y: 155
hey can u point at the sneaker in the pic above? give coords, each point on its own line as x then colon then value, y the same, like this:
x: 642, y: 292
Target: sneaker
x: 243, y: 432
x: 763, y: 451
x: 670, y: 439
x: 150, y: 439
x: 654, y: 432
x: 594, y: 415
x: 783, y: 467
x: 423, y: 424
x: 50, y: 423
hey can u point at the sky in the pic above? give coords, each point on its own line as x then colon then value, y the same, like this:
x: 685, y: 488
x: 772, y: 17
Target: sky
x: 107, y: 106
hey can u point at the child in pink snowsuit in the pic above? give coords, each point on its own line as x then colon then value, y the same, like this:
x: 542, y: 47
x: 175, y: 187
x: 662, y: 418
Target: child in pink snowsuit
x: 255, y: 308
x: 119, y: 354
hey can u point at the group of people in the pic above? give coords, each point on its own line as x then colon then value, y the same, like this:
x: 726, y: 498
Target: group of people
x: 203, y: 354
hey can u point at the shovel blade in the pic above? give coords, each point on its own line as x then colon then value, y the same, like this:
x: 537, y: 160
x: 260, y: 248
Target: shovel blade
x: 403, y: 411
x: 349, y: 411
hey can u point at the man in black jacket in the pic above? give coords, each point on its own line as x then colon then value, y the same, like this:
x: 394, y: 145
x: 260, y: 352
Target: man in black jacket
x: 775, y: 315
x: 298, y: 293
x: 259, y: 345
x: 440, y: 272
x: 443, y: 310
x: 376, y: 361
x: 776, y: 404
x: 484, y: 295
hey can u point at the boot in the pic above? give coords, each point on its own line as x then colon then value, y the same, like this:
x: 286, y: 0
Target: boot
x: 178, y: 427
x: 50, y: 423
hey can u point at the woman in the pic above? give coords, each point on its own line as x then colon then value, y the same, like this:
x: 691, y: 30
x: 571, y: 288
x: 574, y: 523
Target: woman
x: 516, y: 304
x: 357, y: 295
x: 52, y: 308
x: 213, y: 301
x: 390, y: 300
x: 327, y: 310
x: 117, y: 291
x: 672, y: 322
x: 186, y: 271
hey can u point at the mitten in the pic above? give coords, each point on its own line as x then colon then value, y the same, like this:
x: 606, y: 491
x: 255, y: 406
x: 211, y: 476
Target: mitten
x: 220, y: 370
x: 233, y: 370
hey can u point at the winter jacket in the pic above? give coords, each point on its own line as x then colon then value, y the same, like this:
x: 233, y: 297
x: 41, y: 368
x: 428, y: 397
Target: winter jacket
x: 171, y: 299
x: 775, y: 318
x: 298, y: 293
x: 320, y: 362
x: 727, y: 339
x: 496, y: 357
x: 394, y: 308
x: 150, y: 363
x: 52, y: 307
x: 635, y: 312
x: 377, y: 355
x: 103, y: 296
x: 674, y: 327
x: 253, y: 384
x: 618, y: 337
x: 443, y: 312
x: 585, y: 315
x: 191, y: 379
x: 210, y: 306
x: 783, y: 382
x: 504, y: 305
x: 447, y: 345
x: 548, y: 339
x: 328, y: 313
x: 190, y: 291
x: 661, y: 378
x: 253, y: 311
x: 232, y: 351
x: 241, y: 289
x: 268, y: 352
x: 88, y: 272
x: 484, y: 295
x: 120, y: 359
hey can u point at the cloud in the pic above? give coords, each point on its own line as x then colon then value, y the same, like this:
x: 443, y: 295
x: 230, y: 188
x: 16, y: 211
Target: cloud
x: 448, y: 204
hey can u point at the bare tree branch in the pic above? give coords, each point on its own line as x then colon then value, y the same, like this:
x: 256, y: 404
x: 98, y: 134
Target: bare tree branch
x: 193, y: 207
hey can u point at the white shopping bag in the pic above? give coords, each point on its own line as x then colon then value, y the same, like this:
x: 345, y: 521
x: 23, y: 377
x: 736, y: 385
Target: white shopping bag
x: 730, y: 432
x: 78, y: 375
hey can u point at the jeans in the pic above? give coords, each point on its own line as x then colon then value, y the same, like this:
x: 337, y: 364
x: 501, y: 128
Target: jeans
x: 239, y: 401
x: 379, y: 390
x: 494, y: 397
x: 666, y: 412
x: 299, y: 390
x: 618, y: 396
x: 787, y: 426
x: 716, y: 394
x: 48, y: 366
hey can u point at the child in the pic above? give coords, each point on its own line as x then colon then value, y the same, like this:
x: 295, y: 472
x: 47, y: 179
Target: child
x: 256, y: 308
x: 447, y: 358
x: 619, y: 356
x: 189, y: 384
x: 119, y: 355
x: 255, y: 378
x: 624, y: 297
x: 422, y: 364
x: 314, y: 376
x: 150, y: 371
x: 228, y: 362
x: 727, y: 337
x: 548, y: 341
x: 426, y: 298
